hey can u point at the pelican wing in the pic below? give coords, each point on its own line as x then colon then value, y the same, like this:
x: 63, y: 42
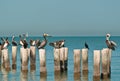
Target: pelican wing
x: 113, y: 43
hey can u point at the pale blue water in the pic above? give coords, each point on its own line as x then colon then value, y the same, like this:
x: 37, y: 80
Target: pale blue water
x: 72, y: 43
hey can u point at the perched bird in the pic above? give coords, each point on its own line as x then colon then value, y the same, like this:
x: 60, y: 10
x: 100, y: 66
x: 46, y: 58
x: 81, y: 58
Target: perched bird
x: 32, y: 42
x: 5, y: 43
x: 110, y: 44
x: 44, y: 42
x: 57, y: 44
x: 86, y: 45
x: 14, y: 43
x: 23, y: 42
x: 37, y: 43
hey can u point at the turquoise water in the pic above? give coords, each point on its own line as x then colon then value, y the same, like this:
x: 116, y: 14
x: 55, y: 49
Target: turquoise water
x: 72, y: 43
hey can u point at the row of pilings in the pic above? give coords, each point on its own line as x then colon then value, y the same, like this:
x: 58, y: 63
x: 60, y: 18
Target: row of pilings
x: 101, y: 58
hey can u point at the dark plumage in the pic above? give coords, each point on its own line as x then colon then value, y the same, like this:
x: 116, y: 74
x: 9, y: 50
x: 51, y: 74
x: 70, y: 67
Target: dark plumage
x: 37, y: 43
x: 44, y: 42
x: 5, y: 43
x: 57, y: 44
x: 86, y: 45
x: 23, y: 42
x: 32, y: 42
x: 110, y: 44
x: 14, y: 43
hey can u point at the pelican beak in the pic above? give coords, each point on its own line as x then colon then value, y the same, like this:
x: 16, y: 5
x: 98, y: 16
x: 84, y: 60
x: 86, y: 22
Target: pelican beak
x: 47, y: 35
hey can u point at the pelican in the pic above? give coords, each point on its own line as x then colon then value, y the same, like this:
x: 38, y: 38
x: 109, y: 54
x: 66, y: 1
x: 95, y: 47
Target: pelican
x: 37, y: 43
x: 23, y: 42
x: 57, y: 44
x: 110, y: 44
x: 5, y: 44
x: 86, y: 45
x: 32, y: 42
x: 14, y: 43
x: 44, y: 42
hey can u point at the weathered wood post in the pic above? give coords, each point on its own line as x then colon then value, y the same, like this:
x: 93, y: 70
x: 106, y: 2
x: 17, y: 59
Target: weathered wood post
x: 76, y: 63
x: 6, y: 60
x: 14, y: 56
x: 0, y: 57
x: 32, y: 57
x: 24, y: 61
x: 66, y: 58
x: 56, y: 59
x: 105, y: 54
x: 42, y: 57
x: 62, y: 58
x: 85, y: 60
x: 109, y: 62
x: 96, y: 58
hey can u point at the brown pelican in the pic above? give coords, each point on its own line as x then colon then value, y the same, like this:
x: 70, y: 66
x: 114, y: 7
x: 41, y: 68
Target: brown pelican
x: 110, y: 44
x: 32, y: 42
x: 58, y: 44
x: 44, y: 42
x: 37, y: 43
x: 86, y: 45
x: 5, y: 43
x: 14, y: 43
x: 23, y: 42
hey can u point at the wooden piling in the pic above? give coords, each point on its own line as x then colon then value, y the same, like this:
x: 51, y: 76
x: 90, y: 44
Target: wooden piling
x: 63, y: 58
x: 42, y: 57
x: 32, y: 57
x: 0, y: 56
x: 56, y: 59
x: 66, y: 58
x: 85, y: 60
x: 109, y: 62
x: 96, y: 75
x: 14, y: 56
x: 24, y: 57
x: 6, y: 61
x: 105, y: 54
x: 76, y: 62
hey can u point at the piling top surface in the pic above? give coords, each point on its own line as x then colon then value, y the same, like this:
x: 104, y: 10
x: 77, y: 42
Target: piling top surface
x: 76, y: 51
x: 84, y: 49
x: 96, y: 51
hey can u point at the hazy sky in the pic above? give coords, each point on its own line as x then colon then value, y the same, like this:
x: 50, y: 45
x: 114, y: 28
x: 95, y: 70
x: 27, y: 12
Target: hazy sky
x: 60, y: 17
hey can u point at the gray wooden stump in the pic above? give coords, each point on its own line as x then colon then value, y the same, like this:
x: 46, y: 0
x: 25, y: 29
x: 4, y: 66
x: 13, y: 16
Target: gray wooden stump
x: 63, y: 58
x: 42, y: 57
x: 56, y: 59
x: 0, y: 56
x: 6, y: 61
x: 24, y: 59
x: 76, y: 63
x: 32, y: 57
x: 109, y: 62
x: 105, y: 66
x: 96, y: 65
x: 14, y: 56
x: 85, y: 60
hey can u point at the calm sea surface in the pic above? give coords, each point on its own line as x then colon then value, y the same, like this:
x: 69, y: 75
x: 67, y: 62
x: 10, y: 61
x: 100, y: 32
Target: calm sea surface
x: 95, y: 43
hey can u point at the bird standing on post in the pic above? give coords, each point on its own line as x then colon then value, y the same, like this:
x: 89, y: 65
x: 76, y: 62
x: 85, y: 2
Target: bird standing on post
x: 23, y: 42
x: 14, y: 43
x: 44, y: 42
x: 57, y: 44
x: 86, y: 45
x: 110, y: 44
x: 5, y: 43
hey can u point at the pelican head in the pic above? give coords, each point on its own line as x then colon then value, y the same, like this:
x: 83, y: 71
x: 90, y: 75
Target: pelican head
x: 108, y: 35
x: 45, y: 34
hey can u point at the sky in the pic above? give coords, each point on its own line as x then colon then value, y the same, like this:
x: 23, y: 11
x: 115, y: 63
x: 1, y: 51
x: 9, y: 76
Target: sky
x: 60, y: 17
